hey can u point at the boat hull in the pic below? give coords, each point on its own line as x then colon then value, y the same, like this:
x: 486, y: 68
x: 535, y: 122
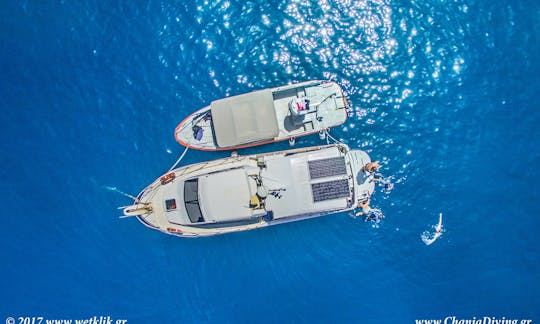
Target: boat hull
x: 197, y: 131
x: 152, y: 211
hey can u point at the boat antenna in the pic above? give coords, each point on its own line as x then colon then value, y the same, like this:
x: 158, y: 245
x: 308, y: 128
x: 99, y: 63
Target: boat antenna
x: 123, y: 193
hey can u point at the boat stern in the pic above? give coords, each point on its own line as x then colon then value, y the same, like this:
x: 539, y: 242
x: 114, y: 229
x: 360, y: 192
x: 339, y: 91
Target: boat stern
x: 364, y: 185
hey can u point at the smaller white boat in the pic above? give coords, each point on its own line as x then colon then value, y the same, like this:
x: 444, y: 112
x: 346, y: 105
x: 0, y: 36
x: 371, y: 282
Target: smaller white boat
x: 241, y: 193
x: 264, y: 116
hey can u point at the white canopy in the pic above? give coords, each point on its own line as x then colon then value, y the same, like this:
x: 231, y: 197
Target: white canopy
x: 224, y: 196
x: 244, y: 118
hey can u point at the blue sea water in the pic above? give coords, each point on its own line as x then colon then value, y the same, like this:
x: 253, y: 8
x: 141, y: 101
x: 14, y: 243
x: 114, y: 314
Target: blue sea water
x: 444, y: 93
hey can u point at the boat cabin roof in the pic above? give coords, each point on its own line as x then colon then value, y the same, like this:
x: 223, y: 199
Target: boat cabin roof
x: 218, y: 197
x: 244, y: 118
x: 224, y: 196
x: 307, y: 183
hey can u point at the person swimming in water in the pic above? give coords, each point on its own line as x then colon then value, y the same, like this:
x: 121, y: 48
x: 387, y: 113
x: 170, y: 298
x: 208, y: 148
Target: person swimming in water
x: 364, y: 205
x: 385, y: 182
x: 371, y: 167
x: 371, y: 214
x: 437, y: 234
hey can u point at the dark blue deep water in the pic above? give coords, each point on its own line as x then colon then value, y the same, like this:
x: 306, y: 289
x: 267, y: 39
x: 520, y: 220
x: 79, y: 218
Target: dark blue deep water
x: 444, y: 93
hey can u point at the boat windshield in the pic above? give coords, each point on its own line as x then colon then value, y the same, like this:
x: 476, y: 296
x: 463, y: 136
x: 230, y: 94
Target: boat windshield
x: 191, y: 201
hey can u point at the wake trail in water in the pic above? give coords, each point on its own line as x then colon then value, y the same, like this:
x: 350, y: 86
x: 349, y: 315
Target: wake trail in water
x: 429, y: 237
x: 114, y: 189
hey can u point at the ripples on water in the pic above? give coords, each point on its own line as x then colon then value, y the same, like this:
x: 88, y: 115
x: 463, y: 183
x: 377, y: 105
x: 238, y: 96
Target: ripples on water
x: 395, y: 61
x: 387, y: 58
x: 127, y: 73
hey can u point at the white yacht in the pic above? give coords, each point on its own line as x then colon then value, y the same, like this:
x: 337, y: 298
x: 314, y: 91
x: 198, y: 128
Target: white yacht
x: 264, y: 116
x: 241, y: 193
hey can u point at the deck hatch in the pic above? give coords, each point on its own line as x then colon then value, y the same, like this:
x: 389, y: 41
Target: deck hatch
x: 191, y: 200
x: 327, y: 167
x: 330, y: 190
x: 170, y: 204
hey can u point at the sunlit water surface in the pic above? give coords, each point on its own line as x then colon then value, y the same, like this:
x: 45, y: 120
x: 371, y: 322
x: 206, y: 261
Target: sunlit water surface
x: 443, y: 93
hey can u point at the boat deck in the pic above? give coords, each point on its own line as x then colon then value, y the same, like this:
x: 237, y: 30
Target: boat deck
x: 263, y: 116
x: 254, y: 191
x: 331, y: 101
x: 302, y: 186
